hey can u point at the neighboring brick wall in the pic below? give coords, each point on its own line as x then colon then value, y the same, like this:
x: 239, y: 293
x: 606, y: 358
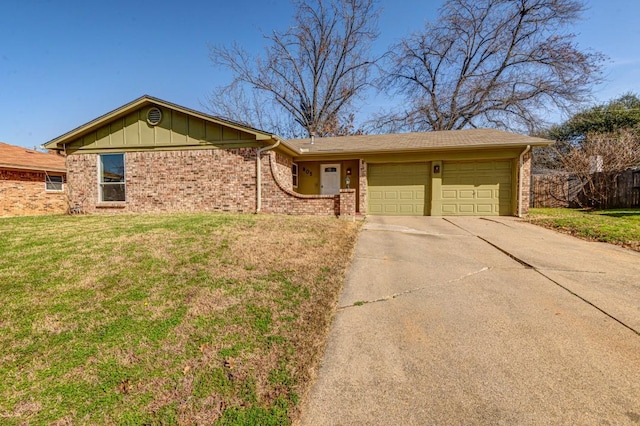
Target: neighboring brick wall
x: 170, y: 181
x: 22, y: 193
x: 277, y: 198
x: 362, y: 188
x: 526, y: 183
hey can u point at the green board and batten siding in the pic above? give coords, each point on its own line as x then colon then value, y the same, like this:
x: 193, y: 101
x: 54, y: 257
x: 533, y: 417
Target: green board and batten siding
x: 176, y: 130
x: 399, y: 189
x: 479, y: 188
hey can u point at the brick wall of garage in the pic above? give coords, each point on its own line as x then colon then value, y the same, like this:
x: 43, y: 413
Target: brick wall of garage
x: 526, y: 183
x: 23, y: 193
x: 363, y: 184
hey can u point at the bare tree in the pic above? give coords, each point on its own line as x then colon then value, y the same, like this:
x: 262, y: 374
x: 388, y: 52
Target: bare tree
x: 312, y: 72
x: 598, y: 161
x: 490, y: 63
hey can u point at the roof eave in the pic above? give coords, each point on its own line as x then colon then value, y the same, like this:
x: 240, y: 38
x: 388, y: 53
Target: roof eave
x: 299, y: 153
x: 58, y: 143
x: 35, y: 168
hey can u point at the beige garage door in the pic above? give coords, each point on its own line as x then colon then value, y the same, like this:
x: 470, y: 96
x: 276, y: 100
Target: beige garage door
x: 398, y: 189
x: 476, y: 188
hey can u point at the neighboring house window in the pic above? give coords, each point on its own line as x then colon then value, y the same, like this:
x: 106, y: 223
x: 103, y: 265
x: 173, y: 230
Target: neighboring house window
x: 53, y: 183
x: 112, y: 178
x: 294, y: 174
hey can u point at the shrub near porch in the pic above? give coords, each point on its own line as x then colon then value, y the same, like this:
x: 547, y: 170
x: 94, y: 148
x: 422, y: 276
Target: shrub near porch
x: 162, y: 319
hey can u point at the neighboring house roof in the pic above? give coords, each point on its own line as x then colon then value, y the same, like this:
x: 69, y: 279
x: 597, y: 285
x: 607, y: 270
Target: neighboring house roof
x: 411, y: 142
x: 17, y: 157
x: 147, y: 100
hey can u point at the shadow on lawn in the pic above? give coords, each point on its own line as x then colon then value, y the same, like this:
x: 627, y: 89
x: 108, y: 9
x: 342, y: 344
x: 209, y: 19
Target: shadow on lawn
x: 627, y: 213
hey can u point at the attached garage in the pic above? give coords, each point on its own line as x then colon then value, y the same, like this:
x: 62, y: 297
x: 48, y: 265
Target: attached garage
x: 477, y: 188
x: 474, y: 172
x: 399, y: 189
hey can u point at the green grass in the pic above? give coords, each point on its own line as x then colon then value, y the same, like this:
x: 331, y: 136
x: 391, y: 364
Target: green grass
x: 164, y: 319
x: 616, y: 226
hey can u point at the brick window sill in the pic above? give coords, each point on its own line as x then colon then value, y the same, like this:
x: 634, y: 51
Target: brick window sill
x: 112, y: 205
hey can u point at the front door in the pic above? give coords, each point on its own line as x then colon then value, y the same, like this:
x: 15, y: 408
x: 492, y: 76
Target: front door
x: 329, y: 179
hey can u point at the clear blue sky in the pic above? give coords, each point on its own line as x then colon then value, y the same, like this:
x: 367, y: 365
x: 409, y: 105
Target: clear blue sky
x: 64, y: 62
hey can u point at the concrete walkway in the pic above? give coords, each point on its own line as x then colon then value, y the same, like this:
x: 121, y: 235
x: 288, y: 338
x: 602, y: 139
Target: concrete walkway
x: 481, y: 321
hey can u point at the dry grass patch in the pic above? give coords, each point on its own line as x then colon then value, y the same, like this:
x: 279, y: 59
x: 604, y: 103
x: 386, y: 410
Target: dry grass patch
x: 165, y: 319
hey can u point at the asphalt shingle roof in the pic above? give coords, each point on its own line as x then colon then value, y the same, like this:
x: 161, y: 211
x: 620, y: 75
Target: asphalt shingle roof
x: 12, y: 156
x: 423, y: 141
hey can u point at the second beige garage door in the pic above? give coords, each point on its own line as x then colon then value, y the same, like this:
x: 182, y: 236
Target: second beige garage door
x: 398, y: 189
x: 476, y: 188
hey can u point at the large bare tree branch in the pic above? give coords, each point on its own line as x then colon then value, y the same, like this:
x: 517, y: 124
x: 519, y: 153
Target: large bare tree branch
x: 490, y: 62
x: 312, y: 72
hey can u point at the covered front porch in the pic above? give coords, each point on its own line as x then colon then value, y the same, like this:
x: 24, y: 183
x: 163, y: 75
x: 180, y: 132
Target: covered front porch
x: 329, y: 177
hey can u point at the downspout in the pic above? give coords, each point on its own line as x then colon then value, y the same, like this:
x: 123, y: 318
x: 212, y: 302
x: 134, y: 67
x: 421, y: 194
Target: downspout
x: 259, y: 174
x: 521, y: 163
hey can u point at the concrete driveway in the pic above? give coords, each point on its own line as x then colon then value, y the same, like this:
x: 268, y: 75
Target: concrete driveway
x: 481, y: 321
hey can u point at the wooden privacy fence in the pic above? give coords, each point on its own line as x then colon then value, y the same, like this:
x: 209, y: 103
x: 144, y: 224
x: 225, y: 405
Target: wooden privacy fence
x: 562, y: 190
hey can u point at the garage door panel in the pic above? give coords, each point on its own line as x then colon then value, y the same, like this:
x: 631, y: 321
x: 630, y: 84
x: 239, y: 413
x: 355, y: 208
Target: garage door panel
x: 404, y: 188
x: 392, y: 209
x: 486, y: 194
x: 485, y: 208
x: 406, y: 209
x: 375, y: 195
x: 466, y: 208
x: 450, y: 209
x: 389, y: 195
x: 476, y: 188
x: 409, y: 195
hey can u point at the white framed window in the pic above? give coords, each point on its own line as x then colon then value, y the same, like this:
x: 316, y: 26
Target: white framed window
x: 111, y: 176
x: 294, y: 174
x: 53, y: 183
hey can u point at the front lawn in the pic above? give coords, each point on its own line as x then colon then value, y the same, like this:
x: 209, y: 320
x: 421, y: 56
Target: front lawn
x: 164, y: 319
x: 617, y: 226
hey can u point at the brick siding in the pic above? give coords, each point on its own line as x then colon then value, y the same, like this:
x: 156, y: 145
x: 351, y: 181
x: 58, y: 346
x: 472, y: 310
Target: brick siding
x: 171, y: 181
x: 526, y: 183
x: 198, y: 180
x: 277, y: 197
x: 348, y: 204
x: 362, y: 187
x: 22, y: 193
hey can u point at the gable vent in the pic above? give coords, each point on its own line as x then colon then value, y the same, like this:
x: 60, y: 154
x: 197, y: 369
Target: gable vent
x: 154, y: 116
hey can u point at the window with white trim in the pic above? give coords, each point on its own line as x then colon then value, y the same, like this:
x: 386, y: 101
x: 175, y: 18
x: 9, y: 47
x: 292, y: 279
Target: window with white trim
x: 112, y: 177
x: 294, y: 174
x: 53, y: 183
